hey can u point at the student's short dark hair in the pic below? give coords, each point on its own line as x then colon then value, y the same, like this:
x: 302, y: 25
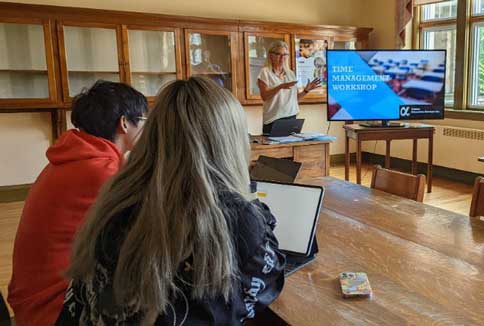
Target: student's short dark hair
x: 97, y: 110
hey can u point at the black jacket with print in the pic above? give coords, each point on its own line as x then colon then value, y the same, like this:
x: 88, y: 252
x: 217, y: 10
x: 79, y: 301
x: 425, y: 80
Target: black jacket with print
x: 261, y: 276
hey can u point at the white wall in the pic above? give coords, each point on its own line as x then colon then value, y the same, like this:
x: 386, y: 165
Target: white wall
x: 450, y: 152
x: 24, y: 139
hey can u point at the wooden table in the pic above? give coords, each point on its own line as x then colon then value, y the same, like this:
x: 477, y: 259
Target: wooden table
x: 314, y: 155
x: 411, y: 131
x: 425, y: 264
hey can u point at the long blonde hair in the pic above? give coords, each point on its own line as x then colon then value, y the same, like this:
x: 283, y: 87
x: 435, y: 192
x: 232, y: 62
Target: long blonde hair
x: 194, y: 143
x: 272, y: 49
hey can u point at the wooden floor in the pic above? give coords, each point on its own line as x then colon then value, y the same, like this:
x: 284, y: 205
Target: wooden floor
x: 9, y: 219
x: 446, y: 194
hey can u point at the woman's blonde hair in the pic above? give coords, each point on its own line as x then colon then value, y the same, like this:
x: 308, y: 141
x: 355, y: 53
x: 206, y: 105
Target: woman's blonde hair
x: 272, y: 49
x: 194, y: 144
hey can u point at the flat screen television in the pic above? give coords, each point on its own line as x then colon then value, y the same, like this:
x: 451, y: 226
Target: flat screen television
x: 385, y: 84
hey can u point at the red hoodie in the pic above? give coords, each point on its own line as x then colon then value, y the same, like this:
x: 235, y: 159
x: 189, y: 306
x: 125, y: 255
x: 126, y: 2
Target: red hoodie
x: 55, y: 208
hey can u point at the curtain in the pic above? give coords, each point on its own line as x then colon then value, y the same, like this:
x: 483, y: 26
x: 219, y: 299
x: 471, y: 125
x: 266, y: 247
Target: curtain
x: 404, y: 16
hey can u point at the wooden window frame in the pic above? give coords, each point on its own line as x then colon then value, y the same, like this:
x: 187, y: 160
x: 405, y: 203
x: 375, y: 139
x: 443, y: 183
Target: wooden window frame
x: 463, y: 22
x: 63, y: 53
x: 125, y: 40
x: 29, y: 103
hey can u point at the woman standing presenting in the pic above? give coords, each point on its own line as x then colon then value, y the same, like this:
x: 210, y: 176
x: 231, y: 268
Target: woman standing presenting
x: 277, y: 84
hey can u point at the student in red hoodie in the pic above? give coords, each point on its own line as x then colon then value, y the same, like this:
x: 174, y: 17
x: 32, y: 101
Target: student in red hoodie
x: 109, y: 117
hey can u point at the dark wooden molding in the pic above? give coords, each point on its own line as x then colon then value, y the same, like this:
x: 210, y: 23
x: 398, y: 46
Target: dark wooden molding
x: 464, y: 114
x: 461, y: 55
x: 153, y: 19
x: 14, y: 193
x: 337, y: 159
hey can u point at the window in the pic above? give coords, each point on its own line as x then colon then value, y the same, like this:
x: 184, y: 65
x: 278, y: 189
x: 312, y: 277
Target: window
x: 439, y: 11
x: 476, y: 91
x: 439, y: 24
x: 478, y: 8
x: 443, y: 38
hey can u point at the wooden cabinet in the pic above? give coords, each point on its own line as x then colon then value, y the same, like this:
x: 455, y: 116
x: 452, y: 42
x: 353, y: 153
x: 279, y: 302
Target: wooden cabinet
x: 26, y: 64
x: 314, y: 156
x: 152, y: 57
x: 212, y: 54
x: 89, y: 52
x: 52, y: 53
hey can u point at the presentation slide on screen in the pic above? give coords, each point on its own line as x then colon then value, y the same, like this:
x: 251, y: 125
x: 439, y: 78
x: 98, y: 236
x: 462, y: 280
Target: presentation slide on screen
x: 385, y: 85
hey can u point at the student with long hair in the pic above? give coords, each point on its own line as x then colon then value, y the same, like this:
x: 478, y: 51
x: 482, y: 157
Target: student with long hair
x: 175, y: 238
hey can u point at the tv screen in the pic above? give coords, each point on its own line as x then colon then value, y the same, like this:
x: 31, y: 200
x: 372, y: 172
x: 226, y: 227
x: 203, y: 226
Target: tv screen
x: 385, y: 84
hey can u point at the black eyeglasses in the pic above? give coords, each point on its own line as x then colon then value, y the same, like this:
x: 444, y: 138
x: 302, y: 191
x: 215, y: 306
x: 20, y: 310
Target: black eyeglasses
x: 280, y: 54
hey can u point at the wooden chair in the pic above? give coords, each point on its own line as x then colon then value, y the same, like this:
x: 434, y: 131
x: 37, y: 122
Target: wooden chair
x: 398, y: 183
x: 4, y: 315
x: 477, y: 204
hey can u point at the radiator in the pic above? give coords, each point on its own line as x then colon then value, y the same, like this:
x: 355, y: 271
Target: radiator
x: 464, y: 133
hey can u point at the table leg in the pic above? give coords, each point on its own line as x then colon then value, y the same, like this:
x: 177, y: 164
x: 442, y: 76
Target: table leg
x: 358, y: 161
x: 414, y: 156
x: 347, y: 158
x: 387, y: 155
x: 429, y: 163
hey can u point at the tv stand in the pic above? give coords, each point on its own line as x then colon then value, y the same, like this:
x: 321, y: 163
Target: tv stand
x: 382, y: 124
x: 411, y: 131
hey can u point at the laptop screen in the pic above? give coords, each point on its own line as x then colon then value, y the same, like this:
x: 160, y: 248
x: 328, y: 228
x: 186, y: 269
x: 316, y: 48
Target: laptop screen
x: 285, y: 127
x: 296, y: 208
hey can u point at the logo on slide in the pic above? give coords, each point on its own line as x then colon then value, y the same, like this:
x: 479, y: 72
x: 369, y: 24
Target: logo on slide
x: 404, y: 111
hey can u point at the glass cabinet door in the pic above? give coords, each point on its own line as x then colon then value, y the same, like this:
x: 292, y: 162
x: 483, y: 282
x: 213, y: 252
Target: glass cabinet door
x: 91, y: 53
x: 310, y: 63
x: 153, y: 57
x: 209, y: 54
x: 25, y: 64
x: 344, y: 45
x: 257, y: 46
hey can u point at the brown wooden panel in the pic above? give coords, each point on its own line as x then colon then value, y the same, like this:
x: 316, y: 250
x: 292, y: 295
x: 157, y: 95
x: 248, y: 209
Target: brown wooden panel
x: 399, y: 183
x: 313, y: 159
